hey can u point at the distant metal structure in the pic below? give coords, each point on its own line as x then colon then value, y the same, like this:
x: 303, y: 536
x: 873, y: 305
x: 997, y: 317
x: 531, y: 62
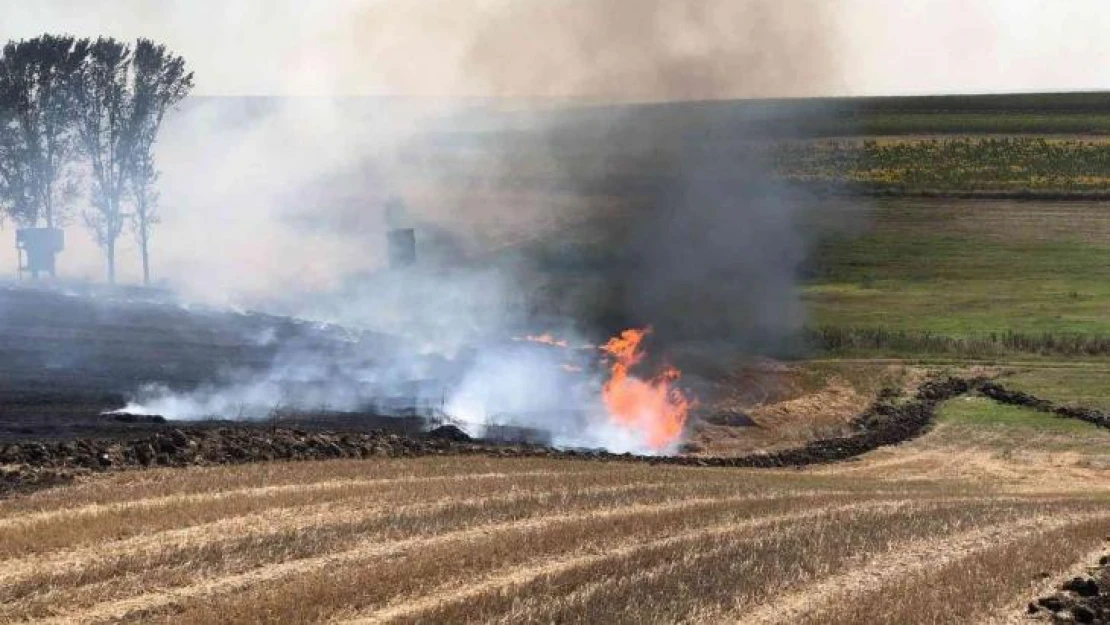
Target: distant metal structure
x: 402, y: 247
x: 400, y: 234
x: 36, y: 250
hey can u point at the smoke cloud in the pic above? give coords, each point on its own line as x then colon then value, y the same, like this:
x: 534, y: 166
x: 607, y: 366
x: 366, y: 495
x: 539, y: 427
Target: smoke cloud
x: 531, y: 214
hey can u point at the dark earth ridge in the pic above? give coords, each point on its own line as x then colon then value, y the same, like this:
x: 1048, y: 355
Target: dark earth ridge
x: 1018, y: 398
x: 32, y: 464
x: 1083, y: 599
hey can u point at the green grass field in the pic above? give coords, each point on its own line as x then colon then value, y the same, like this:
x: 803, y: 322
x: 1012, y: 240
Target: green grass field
x: 1087, y: 385
x: 1016, y: 437
x: 981, y: 412
x: 964, y: 269
x: 1023, y: 283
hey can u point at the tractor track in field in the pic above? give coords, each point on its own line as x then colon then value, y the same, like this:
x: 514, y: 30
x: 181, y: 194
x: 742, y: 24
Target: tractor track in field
x: 263, y: 523
x: 257, y: 492
x: 518, y: 576
x: 148, y: 603
x: 913, y: 557
x: 155, y: 602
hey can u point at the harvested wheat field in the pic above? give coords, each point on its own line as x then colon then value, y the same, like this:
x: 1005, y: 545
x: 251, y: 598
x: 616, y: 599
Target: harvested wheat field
x: 464, y: 539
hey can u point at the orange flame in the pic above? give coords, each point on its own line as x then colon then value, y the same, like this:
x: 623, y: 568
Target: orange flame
x: 543, y: 339
x: 653, y: 406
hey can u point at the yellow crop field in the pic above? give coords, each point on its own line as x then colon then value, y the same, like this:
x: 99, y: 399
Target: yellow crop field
x: 911, y: 535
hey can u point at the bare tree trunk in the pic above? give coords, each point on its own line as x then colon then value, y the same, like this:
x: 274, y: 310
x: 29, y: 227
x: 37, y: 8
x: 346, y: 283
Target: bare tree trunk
x: 146, y: 255
x: 50, y: 222
x: 110, y: 252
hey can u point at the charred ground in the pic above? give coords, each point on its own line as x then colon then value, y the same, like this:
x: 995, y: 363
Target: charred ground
x: 71, y: 356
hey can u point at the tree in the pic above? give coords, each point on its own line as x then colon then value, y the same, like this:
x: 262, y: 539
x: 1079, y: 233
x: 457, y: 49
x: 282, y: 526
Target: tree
x: 142, y: 176
x: 38, y: 98
x: 15, y: 196
x: 160, y: 81
x: 124, y: 94
x: 106, y: 135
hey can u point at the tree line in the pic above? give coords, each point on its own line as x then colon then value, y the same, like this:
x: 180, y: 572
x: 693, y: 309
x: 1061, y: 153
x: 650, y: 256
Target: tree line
x: 78, y: 122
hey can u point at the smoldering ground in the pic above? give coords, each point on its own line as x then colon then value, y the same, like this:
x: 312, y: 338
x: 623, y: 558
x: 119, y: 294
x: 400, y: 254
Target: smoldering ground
x: 530, y: 215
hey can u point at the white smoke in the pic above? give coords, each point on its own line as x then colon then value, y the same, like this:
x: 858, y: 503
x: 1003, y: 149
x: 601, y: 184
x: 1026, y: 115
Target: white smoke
x: 278, y: 204
x: 554, y: 391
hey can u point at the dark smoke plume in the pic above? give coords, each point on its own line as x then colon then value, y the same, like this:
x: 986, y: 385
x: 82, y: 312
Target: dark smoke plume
x: 684, y: 228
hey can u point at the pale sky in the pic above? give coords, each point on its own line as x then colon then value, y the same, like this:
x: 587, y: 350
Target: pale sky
x: 609, y: 49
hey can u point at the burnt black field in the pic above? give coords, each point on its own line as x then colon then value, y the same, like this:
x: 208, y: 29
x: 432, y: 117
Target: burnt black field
x: 67, y: 356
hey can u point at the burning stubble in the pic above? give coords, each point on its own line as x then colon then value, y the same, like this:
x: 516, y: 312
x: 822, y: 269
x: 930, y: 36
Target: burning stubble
x: 655, y: 407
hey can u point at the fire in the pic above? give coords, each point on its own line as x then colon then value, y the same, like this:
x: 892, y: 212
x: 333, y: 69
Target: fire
x: 654, y: 406
x: 543, y: 339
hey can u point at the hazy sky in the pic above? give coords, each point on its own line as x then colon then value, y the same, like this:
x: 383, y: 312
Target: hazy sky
x: 605, y: 48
